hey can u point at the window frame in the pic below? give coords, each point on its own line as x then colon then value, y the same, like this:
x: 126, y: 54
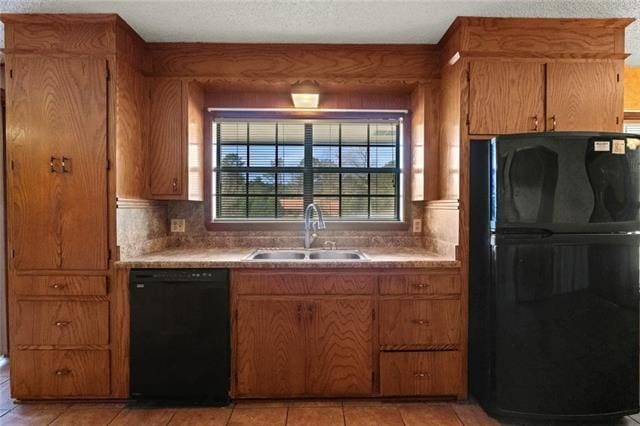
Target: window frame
x: 276, y: 224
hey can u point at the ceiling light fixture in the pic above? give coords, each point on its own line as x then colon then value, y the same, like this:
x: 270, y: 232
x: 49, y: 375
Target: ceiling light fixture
x: 305, y: 94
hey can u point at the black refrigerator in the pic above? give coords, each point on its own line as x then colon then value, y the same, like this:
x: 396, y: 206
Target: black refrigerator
x: 554, y: 275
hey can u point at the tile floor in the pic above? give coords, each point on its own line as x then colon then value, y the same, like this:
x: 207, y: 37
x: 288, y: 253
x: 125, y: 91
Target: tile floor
x: 307, y: 413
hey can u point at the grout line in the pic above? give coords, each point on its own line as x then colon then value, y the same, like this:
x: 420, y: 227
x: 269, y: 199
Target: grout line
x: 286, y: 415
x: 172, y: 416
x: 456, y: 414
x: 117, y: 414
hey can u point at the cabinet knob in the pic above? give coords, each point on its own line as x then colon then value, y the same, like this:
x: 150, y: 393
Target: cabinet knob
x: 174, y: 184
x: 421, y: 375
x: 58, y: 286
x: 421, y: 285
x: 554, y: 122
x: 63, y: 372
x: 62, y: 323
x: 64, y: 163
x: 535, y: 123
x: 420, y: 322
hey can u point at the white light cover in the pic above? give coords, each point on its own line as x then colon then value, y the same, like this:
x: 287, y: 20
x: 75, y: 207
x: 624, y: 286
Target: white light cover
x: 305, y: 100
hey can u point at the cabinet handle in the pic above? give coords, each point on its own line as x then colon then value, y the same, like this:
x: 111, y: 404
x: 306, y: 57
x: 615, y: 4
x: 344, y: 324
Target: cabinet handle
x: 63, y: 372
x: 62, y: 323
x: 421, y: 375
x: 58, y: 286
x: 554, y: 123
x: 535, y: 123
x: 311, y: 309
x: 174, y: 184
x: 420, y: 322
x: 421, y: 286
x: 52, y: 164
x: 299, y: 313
x: 65, y: 160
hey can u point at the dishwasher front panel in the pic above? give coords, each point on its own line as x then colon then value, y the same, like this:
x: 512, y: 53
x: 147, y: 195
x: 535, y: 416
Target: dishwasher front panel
x: 180, y: 344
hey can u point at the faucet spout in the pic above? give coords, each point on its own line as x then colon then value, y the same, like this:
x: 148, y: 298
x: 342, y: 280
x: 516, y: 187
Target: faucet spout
x: 311, y: 226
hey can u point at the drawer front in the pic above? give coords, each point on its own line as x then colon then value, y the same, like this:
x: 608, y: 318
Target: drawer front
x: 55, y: 374
x: 61, y: 323
x: 420, y: 322
x: 330, y: 282
x: 428, y: 284
x: 420, y: 373
x: 58, y: 285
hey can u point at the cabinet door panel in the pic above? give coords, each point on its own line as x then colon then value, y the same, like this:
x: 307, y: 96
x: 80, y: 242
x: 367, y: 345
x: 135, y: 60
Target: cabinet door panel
x: 584, y: 96
x: 506, y: 97
x: 166, y: 138
x: 57, y: 107
x: 340, y: 357
x: 270, y: 347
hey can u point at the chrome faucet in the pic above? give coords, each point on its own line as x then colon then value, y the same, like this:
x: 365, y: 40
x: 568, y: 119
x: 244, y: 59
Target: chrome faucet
x: 312, y: 226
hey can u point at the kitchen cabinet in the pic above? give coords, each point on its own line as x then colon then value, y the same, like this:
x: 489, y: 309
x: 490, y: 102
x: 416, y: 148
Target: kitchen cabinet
x: 175, y: 139
x: 520, y: 97
x: 306, y: 342
x: 57, y: 162
x: 585, y: 96
x: 506, y: 97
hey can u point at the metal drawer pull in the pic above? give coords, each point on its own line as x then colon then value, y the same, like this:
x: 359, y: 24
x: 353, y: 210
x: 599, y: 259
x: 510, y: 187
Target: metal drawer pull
x: 421, y: 285
x: 420, y: 322
x: 58, y: 286
x: 421, y: 375
x: 65, y: 162
x: 62, y: 323
x: 63, y: 372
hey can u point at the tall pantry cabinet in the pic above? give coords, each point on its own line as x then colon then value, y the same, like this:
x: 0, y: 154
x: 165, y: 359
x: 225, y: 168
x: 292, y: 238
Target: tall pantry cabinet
x: 62, y: 126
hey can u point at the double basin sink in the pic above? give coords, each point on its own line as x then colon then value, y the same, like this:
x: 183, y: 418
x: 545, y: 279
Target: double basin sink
x: 307, y: 255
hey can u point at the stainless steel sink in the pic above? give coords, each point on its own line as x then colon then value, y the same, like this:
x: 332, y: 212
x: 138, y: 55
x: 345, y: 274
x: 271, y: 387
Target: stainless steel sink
x: 336, y: 255
x: 267, y: 254
x: 277, y: 255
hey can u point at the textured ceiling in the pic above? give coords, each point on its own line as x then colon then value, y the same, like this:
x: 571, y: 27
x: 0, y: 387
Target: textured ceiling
x: 323, y: 21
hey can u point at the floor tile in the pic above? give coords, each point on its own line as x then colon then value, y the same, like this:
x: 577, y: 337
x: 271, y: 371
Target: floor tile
x: 33, y: 414
x: 266, y: 416
x: 142, y: 416
x: 472, y: 414
x: 201, y: 416
x: 6, y: 402
x: 429, y: 415
x: 372, y: 416
x: 82, y: 416
x: 316, y: 416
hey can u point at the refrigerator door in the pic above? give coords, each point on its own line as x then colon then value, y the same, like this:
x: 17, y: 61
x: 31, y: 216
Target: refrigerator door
x: 564, y: 326
x: 566, y: 182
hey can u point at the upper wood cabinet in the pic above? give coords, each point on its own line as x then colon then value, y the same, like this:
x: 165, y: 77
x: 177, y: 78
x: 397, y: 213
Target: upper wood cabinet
x: 585, y: 96
x: 506, y: 97
x: 304, y: 346
x: 175, y: 140
x: 57, y: 162
x: 509, y: 97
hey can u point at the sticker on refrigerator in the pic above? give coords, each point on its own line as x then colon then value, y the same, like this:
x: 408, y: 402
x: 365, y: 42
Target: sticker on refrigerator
x: 633, y: 143
x: 618, y: 146
x: 602, y: 146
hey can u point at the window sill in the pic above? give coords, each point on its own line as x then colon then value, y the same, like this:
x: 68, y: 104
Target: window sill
x: 299, y: 225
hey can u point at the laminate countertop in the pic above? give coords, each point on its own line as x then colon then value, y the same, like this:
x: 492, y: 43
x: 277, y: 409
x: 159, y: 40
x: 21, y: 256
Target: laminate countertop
x: 238, y: 258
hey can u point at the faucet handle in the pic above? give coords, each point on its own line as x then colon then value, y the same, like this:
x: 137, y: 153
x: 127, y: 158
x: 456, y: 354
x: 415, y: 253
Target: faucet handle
x: 330, y: 244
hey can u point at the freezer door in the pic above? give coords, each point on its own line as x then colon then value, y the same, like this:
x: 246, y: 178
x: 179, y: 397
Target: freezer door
x: 566, y: 182
x: 565, y: 312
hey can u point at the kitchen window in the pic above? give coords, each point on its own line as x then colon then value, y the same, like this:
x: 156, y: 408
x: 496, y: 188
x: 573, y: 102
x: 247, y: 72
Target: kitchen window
x: 270, y: 170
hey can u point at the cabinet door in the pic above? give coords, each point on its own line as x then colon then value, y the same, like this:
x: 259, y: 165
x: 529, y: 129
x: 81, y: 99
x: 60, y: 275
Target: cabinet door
x: 340, y: 351
x: 584, y: 96
x: 270, y: 347
x: 166, y: 138
x: 56, y: 153
x: 506, y: 97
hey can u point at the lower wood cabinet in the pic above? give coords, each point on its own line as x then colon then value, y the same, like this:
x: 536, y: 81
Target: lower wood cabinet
x: 304, y: 346
x: 420, y: 373
x: 60, y: 373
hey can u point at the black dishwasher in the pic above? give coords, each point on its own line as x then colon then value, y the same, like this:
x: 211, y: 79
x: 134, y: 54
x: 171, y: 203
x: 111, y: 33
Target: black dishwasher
x: 180, y: 336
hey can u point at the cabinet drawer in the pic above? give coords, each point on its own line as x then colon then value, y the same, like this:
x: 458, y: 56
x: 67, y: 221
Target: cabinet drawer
x: 329, y: 282
x: 420, y: 284
x: 420, y: 373
x: 61, y: 323
x: 420, y: 322
x: 59, y: 285
x: 37, y: 374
